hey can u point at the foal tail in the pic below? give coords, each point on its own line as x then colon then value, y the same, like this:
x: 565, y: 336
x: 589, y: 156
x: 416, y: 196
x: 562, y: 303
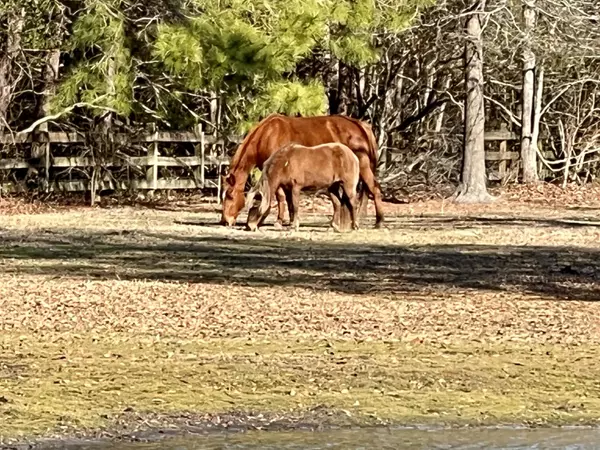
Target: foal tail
x: 261, y: 187
x: 265, y: 195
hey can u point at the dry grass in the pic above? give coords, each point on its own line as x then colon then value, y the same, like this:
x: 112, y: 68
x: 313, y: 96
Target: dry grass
x: 454, y: 314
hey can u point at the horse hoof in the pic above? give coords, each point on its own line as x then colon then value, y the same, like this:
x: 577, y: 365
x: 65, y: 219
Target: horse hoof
x: 379, y: 225
x: 278, y: 226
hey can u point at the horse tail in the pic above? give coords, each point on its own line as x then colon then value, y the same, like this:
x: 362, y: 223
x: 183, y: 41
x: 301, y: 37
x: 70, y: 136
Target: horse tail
x: 372, y: 152
x: 373, y: 148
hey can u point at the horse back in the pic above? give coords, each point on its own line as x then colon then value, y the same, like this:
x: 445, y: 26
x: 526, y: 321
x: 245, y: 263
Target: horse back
x: 278, y: 131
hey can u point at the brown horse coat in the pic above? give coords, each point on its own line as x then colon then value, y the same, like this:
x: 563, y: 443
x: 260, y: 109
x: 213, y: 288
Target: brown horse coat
x: 277, y: 131
x: 296, y: 167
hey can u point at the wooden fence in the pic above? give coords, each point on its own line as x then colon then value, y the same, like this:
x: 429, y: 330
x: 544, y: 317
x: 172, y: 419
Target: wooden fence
x: 503, y: 165
x: 205, y: 159
x: 505, y: 158
x: 509, y: 162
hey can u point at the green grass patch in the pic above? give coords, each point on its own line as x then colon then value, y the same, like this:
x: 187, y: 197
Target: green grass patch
x: 60, y: 383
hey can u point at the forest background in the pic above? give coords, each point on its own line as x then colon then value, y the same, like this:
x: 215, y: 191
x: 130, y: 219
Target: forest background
x: 428, y: 75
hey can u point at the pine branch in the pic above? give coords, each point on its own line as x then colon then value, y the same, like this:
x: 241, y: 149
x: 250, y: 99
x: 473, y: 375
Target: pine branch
x: 67, y: 110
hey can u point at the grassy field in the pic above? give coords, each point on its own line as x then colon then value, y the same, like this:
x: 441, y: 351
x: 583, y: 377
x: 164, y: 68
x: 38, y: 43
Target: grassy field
x: 126, y: 318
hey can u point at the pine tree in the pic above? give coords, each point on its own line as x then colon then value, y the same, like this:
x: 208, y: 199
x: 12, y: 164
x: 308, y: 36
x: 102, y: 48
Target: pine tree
x: 102, y: 77
x: 26, y: 25
x: 249, y: 51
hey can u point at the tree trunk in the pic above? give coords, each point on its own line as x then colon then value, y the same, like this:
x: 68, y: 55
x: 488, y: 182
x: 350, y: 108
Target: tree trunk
x: 537, y: 110
x: 528, y: 151
x: 13, y: 46
x: 333, y: 87
x: 473, y: 186
x: 41, y: 150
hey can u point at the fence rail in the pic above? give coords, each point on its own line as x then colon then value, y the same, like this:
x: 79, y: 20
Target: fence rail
x: 63, y: 137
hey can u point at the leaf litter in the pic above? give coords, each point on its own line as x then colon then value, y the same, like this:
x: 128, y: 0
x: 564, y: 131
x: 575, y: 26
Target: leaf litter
x: 454, y: 314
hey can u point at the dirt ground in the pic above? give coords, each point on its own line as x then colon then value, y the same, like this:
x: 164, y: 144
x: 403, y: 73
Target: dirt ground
x: 452, y: 314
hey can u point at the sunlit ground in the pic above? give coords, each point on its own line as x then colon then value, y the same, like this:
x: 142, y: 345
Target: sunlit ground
x: 450, y: 315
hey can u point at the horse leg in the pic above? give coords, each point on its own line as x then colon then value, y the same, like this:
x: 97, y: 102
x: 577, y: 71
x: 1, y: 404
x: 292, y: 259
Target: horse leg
x: 264, y: 216
x: 368, y: 177
x: 342, y: 215
x: 280, y: 194
x: 362, y: 200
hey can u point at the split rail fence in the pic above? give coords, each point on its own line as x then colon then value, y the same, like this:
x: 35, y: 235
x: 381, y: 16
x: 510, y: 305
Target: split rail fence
x: 206, y: 159
x: 503, y: 165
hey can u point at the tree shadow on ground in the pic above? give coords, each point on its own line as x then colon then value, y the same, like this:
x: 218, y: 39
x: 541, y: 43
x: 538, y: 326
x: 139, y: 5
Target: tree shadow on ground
x: 356, y: 268
x: 429, y: 222
x: 478, y: 222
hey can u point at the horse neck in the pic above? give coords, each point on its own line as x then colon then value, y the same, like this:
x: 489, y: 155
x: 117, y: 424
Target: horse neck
x: 243, y: 165
x: 241, y: 176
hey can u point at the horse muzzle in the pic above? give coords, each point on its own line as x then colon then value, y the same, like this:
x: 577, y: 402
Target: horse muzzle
x: 227, y: 221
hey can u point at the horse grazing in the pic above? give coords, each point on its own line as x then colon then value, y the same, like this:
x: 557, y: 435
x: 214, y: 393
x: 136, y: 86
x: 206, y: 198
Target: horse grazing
x: 296, y: 167
x: 276, y: 131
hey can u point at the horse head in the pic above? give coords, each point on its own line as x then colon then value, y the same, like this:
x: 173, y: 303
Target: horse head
x: 233, y: 201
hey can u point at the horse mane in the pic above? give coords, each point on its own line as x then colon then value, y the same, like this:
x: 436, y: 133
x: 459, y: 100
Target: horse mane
x: 241, y: 150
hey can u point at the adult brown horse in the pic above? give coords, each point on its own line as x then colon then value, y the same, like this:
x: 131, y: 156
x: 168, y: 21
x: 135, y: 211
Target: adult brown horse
x: 276, y: 131
x: 292, y: 169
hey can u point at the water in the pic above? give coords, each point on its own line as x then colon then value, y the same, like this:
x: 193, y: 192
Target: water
x: 366, y: 439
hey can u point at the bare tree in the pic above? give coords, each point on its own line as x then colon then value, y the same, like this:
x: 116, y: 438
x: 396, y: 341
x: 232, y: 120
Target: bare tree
x: 15, y: 23
x: 473, y: 187
x: 528, y: 149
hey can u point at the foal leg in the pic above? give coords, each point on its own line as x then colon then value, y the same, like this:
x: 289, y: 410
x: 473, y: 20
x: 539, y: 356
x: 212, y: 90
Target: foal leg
x: 344, y: 215
x: 280, y: 194
x: 337, y: 206
x: 290, y: 202
x: 295, y: 220
x: 341, y: 214
x: 351, y: 199
x: 362, y: 200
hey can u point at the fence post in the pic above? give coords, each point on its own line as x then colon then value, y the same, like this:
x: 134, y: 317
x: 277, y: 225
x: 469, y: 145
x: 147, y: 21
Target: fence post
x: 503, y: 160
x: 152, y: 171
x: 199, y: 152
x: 219, y: 182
